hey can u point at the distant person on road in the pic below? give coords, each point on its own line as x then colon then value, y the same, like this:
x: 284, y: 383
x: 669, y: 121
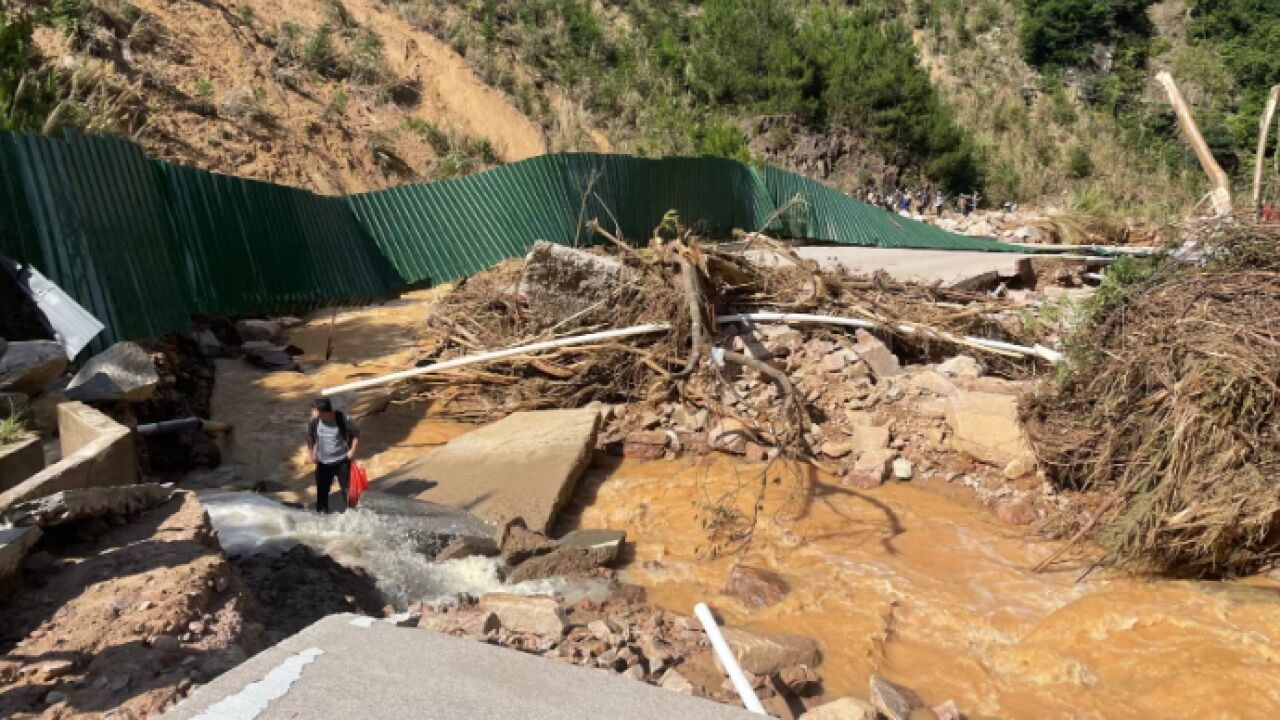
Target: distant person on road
x: 938, y: 201
x: 332, y: 439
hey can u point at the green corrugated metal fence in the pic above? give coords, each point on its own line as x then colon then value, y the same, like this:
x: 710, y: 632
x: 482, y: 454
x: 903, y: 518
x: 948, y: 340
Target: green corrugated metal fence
x: 144, y: 244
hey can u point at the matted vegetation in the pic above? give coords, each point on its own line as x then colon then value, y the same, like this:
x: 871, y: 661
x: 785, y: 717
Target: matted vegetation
x: 1172, y: 411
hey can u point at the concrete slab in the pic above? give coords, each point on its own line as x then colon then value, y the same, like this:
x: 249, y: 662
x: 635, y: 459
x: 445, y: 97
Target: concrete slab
x: 20, y: 460
x: 525, y: 465
x: 15, y: 543
x: 951, y: 268
x: 346, y: 667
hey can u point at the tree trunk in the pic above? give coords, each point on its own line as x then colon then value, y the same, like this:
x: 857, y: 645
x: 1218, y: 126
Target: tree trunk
x: 1264, y: 129
x: 1221, y: 192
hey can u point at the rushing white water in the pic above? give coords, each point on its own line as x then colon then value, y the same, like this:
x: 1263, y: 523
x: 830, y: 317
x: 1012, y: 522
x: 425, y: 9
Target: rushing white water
x: 248, y: 523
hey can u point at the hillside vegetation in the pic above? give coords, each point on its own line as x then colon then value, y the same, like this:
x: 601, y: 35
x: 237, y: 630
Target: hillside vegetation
x: 1034, y: 101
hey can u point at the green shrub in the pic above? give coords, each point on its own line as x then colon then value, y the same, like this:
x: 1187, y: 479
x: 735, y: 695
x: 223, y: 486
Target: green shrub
x: 365, y: 63
x: 317, y: 52
x: 1079, y: 164
x: 338, y: 102
x: 27, y: 91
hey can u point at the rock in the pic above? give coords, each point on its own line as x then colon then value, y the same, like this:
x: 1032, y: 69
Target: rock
x: 961, y: 366
x: 15, y: 543
x: 210, y: 345
x: 561, y: 562
x: 837, y: 449
x: 602, y: 545
x: 42, y: 413
x: 525, y: 465
x: 645, y: 444
x: 933, y: 383
x: 123, y: 372
x: 635, y: 672
x: 260, y: 330
x: 902, y: 469
x: 767, y: 654
x: 1021, y: 466
x: 947, y: 711
x: 799, y: 680
x: 985, y: 427
x: 165, y: 643
x: 755, y: 587
x: 467, y: 546
x: 656, y: 650
x: 520, y: 543
x: 13, y: 403
x: 1016, y: 512
x: 54, y: 697
x: 879, y: 358
x: 838, y: 360
x: 846, y: 708
x: 559, y: 281
x: 28, y: 366
x: 405, y: 619
x: 78, y: 504
x: 892, y: 701
x: 539, y: 615
x: 272, y: 358
x: 675, y: 682
x: 870, y: 437
x: 872, y: 467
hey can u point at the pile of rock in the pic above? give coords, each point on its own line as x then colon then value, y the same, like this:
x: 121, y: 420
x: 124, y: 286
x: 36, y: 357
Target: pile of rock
x: 627, y: 636
x: 878, y: 419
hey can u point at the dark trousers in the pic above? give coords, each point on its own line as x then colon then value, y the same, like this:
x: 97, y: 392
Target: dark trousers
x: 325, y: 473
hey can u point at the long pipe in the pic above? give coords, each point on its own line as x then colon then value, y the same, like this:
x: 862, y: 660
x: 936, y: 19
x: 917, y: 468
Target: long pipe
x: 169, y: 426
x: 730, y: 663
x: 498, y: 355
x: 1039, y: 351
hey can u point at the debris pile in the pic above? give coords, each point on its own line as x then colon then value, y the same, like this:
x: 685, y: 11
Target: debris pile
x: 1169, y: 418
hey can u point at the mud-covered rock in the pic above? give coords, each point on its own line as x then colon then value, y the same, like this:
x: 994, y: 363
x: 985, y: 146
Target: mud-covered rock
x: 755, y: 587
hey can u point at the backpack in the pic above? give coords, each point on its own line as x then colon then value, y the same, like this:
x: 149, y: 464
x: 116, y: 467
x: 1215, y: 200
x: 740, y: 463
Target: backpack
x: 344, y: 430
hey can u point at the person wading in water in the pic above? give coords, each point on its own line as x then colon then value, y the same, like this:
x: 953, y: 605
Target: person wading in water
x: 332, y: 439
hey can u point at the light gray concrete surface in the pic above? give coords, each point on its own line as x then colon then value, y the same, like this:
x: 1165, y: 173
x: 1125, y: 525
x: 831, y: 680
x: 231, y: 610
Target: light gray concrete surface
x: 952, y: 268
x: 375, y: 671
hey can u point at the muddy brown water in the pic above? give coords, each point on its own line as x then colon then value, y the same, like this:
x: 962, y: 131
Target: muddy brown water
x: 904, y: 581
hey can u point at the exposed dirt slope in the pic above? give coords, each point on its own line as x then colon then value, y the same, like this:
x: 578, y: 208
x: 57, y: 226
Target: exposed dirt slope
x: 241, y: 88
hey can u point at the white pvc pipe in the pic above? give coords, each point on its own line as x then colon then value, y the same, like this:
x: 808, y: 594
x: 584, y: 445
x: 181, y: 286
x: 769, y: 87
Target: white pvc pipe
x: 1038, y: 351
x: 497, y: 355
x: 730, y: 663
x: 799, y: 318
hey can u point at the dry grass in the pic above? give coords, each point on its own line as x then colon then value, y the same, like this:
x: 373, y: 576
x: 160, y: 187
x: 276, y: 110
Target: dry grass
x: 1172, y: 412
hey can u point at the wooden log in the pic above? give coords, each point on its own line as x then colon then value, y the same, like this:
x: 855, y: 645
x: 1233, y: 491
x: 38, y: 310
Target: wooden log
x: 1221, y: 192
x: 1264, y: 129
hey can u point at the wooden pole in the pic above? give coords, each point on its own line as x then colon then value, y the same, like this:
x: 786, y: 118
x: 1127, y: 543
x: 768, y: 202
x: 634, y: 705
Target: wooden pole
x: 1264, y: 129
x: 1221, y: 192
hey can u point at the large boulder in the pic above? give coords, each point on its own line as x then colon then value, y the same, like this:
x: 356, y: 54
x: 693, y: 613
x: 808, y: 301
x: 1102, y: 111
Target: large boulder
x: 559, y: 281
x: 985, y: 426
x: 561, y: 562
x: 122, y: 372
x: 27, y: 367
x: 767, y: 654
x: 539, y: 615
x: 525, y: 465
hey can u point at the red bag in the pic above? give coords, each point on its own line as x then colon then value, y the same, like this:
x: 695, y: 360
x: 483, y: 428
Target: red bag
x: 359, y: 483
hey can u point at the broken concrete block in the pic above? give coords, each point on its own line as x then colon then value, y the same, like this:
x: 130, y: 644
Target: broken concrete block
x: 876, y: 355
x: 122, y: 372
x: 519, y: 543
x: 933, y: 383
x: 755, y: 587
x: 846, y: 708
x: 525, y: 465
x: 675, y: 682
x: 561, y: 562
x: 536, y: 614
x: 265, y: 330
x: 645, y: 444
x: 71, y: 506
x: 903, y: 469
x: 985, y: 426
x: 19, y: 460
x: 15, y: 543
x: 602, y: 545
x: 28, y: 366
x: 559, y: 281
x: 767, y: 654
x: 870, y: 437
